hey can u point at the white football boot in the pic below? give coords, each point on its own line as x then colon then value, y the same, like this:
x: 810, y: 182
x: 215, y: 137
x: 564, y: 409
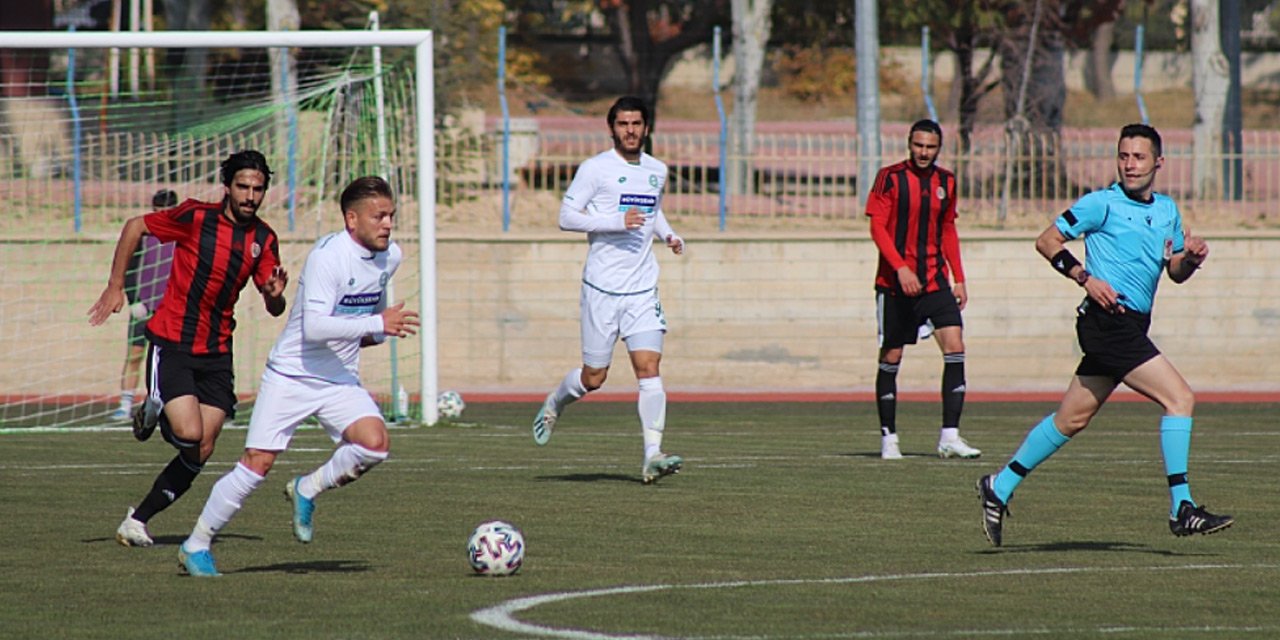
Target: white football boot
x: 133, y: 533
x: 889, y: 447
x: 957, y: 448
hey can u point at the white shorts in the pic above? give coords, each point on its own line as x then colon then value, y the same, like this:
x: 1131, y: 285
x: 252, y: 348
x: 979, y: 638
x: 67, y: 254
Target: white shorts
x: 284, y: 402
x: 606, y: 317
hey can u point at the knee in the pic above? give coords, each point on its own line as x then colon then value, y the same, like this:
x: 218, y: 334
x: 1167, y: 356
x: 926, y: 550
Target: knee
x: 369, y: 433
x: 258, y: 461
x: 206, y: 450
x: 1070, y: 425
x: 1182, y: 403
x: 375, y: 440
x: 593, y: 379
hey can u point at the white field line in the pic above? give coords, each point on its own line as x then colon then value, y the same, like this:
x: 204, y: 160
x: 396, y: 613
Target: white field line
x: 502, y: 615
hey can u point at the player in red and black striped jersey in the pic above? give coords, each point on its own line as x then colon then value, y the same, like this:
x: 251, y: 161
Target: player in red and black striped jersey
x: 219, y: 247
x: 920, y: 282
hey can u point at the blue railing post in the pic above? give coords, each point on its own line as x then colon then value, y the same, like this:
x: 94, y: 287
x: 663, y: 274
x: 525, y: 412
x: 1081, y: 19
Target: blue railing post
x: 506, y: 128
x: 724, y: 128
x: 76, y: 142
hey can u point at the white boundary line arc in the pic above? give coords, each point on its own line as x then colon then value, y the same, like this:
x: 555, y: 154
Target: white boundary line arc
x: 502, y: 615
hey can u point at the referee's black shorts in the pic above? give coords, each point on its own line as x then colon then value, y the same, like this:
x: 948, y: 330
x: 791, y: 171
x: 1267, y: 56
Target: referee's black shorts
x: 1113, y: 343
x: 899, y: 317
x: 210, y: 378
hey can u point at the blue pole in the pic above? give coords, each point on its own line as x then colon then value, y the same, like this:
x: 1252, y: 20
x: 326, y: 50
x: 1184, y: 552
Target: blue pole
x: 924, y: 74
x: 724, y: 127
x: 75, y: 136
x: 293, y: 136
x: 506, y: 129
x: 1137, y: 74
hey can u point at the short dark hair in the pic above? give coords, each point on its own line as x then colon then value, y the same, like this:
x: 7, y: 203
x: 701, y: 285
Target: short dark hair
x: 164, y: 198
x: 241, y: 160
x: 926, y: 125
x: 363, y: 188
x: 1143, y: 131
x: 628, y: 103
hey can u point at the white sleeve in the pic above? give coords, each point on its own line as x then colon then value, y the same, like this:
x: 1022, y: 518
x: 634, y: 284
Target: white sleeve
x: 574, y: 205
x: 378, y: 337
x: 661, y: 227
x: 320, y: 282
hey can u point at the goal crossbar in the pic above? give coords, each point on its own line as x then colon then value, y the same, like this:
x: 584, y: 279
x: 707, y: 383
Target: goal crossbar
x: 420, y: 39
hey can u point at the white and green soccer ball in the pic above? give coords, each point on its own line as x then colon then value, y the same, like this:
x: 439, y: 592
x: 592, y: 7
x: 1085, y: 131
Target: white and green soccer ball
x: 495, y: 548
x: 450, y: 405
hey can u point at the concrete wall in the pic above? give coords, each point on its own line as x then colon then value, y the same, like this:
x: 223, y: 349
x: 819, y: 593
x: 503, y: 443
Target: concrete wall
x: 746, y: 313
x: 764, y: 313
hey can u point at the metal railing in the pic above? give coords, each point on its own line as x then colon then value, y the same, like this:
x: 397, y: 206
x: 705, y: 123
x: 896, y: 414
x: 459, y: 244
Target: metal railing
x: 794, y: 177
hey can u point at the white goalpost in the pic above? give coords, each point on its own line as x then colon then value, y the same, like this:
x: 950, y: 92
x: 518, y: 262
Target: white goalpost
x: 21, y: 345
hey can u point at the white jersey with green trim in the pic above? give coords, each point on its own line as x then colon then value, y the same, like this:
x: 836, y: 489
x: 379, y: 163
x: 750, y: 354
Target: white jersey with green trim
x: 340, y: 298
x: 620, y: 261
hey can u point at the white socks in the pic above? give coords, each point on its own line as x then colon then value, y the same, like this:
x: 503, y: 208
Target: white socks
x: 949, y: 434
x: 347, y: 463
x: 224, y: 502
x: 126, y: 400
x: 570, y: 390
x: 652, y: 406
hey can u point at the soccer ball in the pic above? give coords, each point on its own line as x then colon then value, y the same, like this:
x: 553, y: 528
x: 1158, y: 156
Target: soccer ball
x: 450, y: 405
x: 496, y: 548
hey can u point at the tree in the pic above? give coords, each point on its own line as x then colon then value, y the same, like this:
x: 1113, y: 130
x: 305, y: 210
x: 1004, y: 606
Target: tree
x: 1209, y: 82
x: 649, y: 34
x: 964, y: 30
x: 750, y: 35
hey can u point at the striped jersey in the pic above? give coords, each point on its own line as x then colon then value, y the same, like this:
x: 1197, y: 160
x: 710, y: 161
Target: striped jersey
x: 913, y: 223
x: 213, y: 259
x: 341, y: 294
x: 606, y: 186
x: 1127, y: 243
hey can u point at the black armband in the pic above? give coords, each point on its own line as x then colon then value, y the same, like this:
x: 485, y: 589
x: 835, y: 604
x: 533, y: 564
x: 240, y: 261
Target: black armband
x: 1064, y: 262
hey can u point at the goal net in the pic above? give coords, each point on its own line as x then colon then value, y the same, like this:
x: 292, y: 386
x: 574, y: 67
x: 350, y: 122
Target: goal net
x: 93, y: 126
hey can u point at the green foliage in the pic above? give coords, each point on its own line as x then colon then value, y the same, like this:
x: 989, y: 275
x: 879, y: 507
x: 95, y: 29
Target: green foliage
x: 814, y: 74
x: 818, y: 74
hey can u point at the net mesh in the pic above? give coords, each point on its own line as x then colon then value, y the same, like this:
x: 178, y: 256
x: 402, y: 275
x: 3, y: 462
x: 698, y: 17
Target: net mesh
x: 88, y: 137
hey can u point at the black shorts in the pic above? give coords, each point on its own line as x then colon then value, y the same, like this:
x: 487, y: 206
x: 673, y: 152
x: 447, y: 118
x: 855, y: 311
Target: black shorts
x: 899, y: 317
x: 210, y: 378
x: 1113, y: 343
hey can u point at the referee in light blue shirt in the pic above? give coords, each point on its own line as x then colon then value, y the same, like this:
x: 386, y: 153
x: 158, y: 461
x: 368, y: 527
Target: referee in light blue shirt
x: 1131, y: 233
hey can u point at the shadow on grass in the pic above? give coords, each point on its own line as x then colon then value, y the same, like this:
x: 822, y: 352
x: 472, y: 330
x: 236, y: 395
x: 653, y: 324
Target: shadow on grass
x: 590, y: 477
x: 314, y: 566
x: 1090, y: 545
x: 875, y: 455
x: 162, y: 541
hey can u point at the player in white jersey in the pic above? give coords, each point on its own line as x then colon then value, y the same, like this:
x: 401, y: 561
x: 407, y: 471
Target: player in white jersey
x: 616, y: 199
x: 313, y: 370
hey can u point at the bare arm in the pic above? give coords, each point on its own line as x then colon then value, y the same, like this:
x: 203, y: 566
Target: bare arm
x: 1050, y: 244
x: 1183, y: 265
x: 112, y: 298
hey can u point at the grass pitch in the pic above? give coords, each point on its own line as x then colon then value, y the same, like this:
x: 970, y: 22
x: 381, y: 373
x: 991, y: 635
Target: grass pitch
x: 784, y: 524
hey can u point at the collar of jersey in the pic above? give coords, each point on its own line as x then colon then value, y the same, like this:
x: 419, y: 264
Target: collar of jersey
x: 356, y: 247
x: 629, y: 163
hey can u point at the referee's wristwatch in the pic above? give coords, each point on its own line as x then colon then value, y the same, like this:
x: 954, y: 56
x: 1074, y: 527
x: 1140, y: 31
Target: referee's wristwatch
x: 1082, y: 277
